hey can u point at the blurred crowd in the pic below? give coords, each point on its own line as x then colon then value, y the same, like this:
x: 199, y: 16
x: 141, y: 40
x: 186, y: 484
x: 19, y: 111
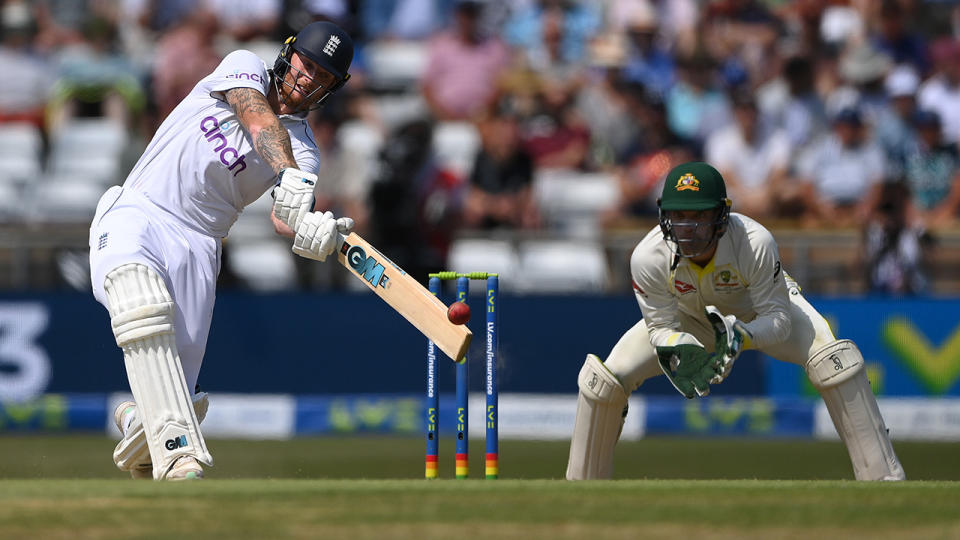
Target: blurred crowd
x: 819, y: 113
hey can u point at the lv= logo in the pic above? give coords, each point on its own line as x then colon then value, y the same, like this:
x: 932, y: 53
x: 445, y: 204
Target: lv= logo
x: 937, y: 368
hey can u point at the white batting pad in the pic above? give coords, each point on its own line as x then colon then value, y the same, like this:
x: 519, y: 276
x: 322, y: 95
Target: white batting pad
x: 141, y: 313
x: 837, y: 372
x: 601, y: 409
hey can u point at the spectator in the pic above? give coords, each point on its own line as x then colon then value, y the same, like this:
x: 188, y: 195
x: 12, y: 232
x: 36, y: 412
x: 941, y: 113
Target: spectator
x: 932, y: 171
x: 654, y: 151
x: 863, y: 70
x: 184, y: 56
x: 843, y: 172
x: 603, y: 104
x: 413, y: 203
x: 24, y: 95
x: 753, y: 158
x: 525, y: 30
x: 648, y: 62
x: 893, y: 127
x: 792, y: 103
x: 941, y: 92
x: 556, y: 136
x: 896, y: 39
x: 463, y: 66
x: 499, y: 192
x: 894, y: 249
x: 95, y: 80
x: 697, y: 105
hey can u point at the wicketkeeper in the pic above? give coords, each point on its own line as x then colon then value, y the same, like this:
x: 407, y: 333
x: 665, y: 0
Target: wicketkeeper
x: 710, y: 285
x: 155, y: 241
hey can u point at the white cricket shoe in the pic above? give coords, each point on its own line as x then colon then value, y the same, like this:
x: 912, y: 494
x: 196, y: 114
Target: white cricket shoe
x: 185, y: 468
x: 123, y: 416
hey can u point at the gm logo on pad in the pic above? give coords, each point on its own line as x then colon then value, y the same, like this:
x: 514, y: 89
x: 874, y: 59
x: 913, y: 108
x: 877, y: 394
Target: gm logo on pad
x: 176, y: 442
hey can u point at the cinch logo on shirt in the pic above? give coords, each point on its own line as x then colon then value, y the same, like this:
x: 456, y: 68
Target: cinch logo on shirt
x: 211, y: 127
x: 256, y: 77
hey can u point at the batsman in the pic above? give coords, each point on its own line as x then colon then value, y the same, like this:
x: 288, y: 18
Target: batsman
x: 155, y: 242
x: 710, y: 285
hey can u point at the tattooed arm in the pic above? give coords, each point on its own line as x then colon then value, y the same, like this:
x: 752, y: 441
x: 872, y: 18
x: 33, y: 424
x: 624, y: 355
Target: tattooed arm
x: 270, y: 138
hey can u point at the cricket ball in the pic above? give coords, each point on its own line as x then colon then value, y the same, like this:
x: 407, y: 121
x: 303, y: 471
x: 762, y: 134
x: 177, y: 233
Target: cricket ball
x: 458, y: 313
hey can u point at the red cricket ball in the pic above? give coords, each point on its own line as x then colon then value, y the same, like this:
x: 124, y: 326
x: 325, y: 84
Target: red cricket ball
x: 458, y: 313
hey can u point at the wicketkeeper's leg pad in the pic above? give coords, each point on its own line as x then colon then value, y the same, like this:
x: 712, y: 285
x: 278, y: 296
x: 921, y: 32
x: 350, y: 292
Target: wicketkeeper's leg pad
x: 132, y: 453
x: 837, y: 371
x: 601, y: 410
x: 142, y: 315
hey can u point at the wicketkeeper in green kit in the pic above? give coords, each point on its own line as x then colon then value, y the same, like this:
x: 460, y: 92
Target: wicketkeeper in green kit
x: 710, y: 284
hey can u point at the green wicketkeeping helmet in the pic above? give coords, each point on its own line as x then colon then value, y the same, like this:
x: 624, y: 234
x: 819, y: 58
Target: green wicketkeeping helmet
x: 693, y: 186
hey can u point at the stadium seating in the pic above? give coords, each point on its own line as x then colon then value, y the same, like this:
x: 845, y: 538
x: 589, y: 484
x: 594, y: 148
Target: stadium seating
x: 456, y: 145
x: 486, y: 255
x: 562, y: 266
x: 572, y: 202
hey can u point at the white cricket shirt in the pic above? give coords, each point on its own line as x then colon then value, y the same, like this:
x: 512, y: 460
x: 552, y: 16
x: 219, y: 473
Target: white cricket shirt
x: 743, y: 279
x: 200, y: 166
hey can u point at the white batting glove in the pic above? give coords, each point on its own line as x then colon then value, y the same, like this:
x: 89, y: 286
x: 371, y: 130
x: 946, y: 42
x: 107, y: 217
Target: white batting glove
x: 319, y: 235
x: 344, y: 225
x: 293, y: 196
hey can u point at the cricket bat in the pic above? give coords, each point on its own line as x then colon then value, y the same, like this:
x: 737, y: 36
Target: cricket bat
x: 403, y: 293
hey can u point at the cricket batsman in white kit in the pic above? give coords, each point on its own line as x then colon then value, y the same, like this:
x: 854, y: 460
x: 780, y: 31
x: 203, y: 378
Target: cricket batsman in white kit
x: 155, y: 242
x: 710, y: 284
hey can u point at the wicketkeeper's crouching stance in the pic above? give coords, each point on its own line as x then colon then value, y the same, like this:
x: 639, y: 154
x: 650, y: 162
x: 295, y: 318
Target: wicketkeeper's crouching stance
x: 709, y: 284
x: 155, y: 242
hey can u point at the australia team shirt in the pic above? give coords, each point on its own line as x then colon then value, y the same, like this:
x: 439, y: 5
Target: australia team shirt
x: 743, y: 279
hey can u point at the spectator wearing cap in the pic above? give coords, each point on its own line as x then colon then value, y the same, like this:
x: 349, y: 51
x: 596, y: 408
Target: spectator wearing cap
x: 753, y: 158
x: 932, y: 171
x: 463, y: 66
x: 941, y: 92
x: 893, y: 126
x: 863, y: 70
x: 842, y: 172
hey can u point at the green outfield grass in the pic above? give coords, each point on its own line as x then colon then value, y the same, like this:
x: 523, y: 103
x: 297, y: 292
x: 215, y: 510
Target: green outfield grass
x: 371, y: 487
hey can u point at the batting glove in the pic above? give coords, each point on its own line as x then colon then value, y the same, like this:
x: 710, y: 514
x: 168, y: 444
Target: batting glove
x: 293, y: 196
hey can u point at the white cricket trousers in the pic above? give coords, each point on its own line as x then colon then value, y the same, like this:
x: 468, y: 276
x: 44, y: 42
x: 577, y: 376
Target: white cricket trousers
x: 129, y: 228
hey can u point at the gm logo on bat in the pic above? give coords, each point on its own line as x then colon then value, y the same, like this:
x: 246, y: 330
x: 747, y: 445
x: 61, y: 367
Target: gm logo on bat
x: 365, y: 266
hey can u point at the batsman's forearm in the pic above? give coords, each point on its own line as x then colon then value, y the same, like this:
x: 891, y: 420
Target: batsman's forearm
x: 270, y: 138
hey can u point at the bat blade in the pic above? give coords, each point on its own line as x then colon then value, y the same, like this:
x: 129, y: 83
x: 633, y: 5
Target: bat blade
x: 404, y: 294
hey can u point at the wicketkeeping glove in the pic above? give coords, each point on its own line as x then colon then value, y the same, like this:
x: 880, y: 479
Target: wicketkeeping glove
x: 293, y: 196
x: 319, y: 235
x: 688, y: 367
x: 731, y: 339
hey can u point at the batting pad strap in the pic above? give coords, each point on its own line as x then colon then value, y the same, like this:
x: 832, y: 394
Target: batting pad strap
x: 142, y: 322
x: 834, y: 364
x: 597, y: 383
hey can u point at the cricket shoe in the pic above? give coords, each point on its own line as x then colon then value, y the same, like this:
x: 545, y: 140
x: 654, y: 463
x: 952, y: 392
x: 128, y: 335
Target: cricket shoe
x: 185, y: 468
x: 123, y: 416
